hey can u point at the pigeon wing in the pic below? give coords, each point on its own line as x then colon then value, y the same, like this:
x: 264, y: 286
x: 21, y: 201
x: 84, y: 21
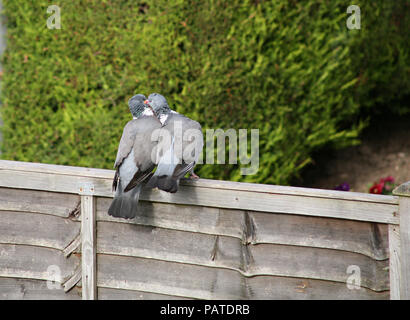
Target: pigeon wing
x: 126, y: 142
x: 182, y: 154
x: 143, y: 146
x: 191, y: 141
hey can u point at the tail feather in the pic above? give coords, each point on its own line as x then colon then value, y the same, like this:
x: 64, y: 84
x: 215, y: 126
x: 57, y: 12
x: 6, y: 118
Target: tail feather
x: 165, y: 183
x: 125, y: 204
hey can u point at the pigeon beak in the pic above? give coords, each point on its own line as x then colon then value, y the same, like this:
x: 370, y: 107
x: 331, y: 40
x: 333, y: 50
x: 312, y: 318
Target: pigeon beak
x: 146, y: 102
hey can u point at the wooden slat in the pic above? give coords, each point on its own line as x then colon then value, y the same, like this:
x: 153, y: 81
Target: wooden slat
x: 59, y: 204
x: 362, y: 237
x: 204, y: 183
x: 213, y: 283
x: 290, y: 204
x: 222, y: 198
x: 265, y: 287
x: 121, y: 294
x: 367, y: 238
x: 55, y: 169
x: 404, y: 212
x: 403, y: 191
x: 315, y: 263
x: 52, y: 182
x: 394, y: 262
x: 169, y: 245
x: 88, y: 245
x: 227, y: 252
x: 37, y: 229
x: 276, y: 189
x: 31, y: 262
x: 181, y: 217
x: 169, y: 278
x: 28, y: 289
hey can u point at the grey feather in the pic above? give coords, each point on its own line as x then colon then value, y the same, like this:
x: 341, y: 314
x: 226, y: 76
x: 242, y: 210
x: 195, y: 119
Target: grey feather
x: 175, y: 162
x: 134, y: 164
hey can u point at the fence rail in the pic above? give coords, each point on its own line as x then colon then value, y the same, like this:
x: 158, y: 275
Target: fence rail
x: 210, y: 240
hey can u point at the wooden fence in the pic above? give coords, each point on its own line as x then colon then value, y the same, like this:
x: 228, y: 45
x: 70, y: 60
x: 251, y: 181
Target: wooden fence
x: 210, y: 240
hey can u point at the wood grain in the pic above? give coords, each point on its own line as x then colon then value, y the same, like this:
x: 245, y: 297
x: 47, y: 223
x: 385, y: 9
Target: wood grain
x: 121, y: 294
x: 394, y: 261
x: 210, y: 240
x: 88, y: 248
x: 178, y: 279
x: 370, y: 239
x: 29, y: 289
x: 37, y: 229
x: 228, y: 252
x: 372, y: 209
x: 204, y: 183
x: 362, y: 237
x: 404, y: 212
x: 31, y: 262
x: 59, y: 204
x: 181, y: 217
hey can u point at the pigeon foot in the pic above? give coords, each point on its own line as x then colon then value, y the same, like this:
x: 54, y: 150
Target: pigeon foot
x: 194, y: 176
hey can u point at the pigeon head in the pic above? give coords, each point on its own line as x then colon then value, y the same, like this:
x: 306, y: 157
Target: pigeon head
x: 137, y: 105
x: 158, y: 103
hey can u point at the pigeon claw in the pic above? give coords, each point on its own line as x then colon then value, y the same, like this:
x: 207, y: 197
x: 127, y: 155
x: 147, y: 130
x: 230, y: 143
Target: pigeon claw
x: 194, y: 176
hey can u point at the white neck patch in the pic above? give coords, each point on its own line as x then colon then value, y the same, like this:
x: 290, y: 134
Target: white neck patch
x: 163, y: 118
x: 146, y: 112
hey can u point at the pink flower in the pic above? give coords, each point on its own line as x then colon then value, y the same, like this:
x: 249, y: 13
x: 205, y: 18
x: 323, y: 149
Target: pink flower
x: 388, y: 179
x: 377, y: 188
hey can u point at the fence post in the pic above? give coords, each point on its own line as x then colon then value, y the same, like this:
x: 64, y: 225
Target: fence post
x: 403, y: 191
x: 88, y: 245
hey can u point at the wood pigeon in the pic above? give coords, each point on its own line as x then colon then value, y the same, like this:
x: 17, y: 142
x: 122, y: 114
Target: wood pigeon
x: 182, y: 143
x: 134, y: 163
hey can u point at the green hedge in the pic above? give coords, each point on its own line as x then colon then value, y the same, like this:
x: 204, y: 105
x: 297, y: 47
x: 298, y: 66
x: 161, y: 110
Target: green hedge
x: 288, y: 68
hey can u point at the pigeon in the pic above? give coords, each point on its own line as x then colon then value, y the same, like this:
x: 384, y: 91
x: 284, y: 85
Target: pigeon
x: 133, y: 164
x: 182, y: 144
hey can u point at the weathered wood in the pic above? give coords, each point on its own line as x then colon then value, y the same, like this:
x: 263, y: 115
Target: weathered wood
x: 55, y: 169
x: 265, y: 287
x: 59, y: 204
x: 227, y: 252
x: 367, y: 238
x: 169, y: 278
x: 213, y: 283
x: 403, y: 191
x: 317, y: 263
x: 88, y: 245
x: 205, y: 183
x: 394, y: 262
x: 212, y: 239
x: 29, y: 289
x: 362, y: 237
x: 73, y: 246
x: 121, y: 294
x: 377, y: 211
x: 181, y: 217
x: 169, y: 245
x: 71, y: 282
x: 53, y: 182
x: 276, y: 189
x: 290, y: 204
x: 31, y: 262
x: 37, y: 229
